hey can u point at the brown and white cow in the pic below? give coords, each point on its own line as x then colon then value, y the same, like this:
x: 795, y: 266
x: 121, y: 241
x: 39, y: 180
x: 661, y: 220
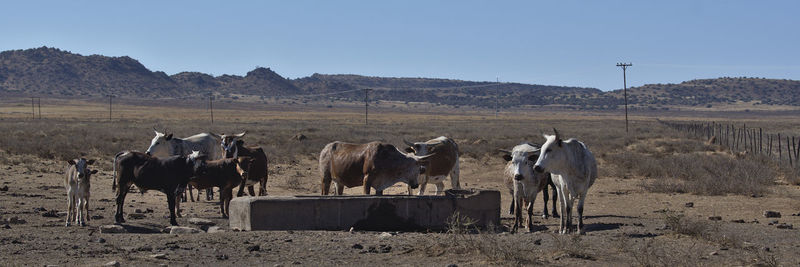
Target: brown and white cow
x: 443, y: 163
x: 78, y: 178
x: 253, y: 160
x: 168, y: 175
x: 374, y: 165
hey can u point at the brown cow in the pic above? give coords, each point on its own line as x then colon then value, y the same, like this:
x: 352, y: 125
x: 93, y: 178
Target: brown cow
x: 444, y: 163
x: 223, y: 173
x: 373, y: 165
x: 253, y: 161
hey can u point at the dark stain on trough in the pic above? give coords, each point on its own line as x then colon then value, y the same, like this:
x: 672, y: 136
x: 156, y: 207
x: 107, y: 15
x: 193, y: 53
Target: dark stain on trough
x: 383, y: 217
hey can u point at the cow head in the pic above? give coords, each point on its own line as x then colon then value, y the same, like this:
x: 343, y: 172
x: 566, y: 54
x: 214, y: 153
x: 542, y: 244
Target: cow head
x: 553, y: 154
x: 415, y: 165
x: 520, y: 162
x: 419, y: 148
x: 162, y: 145
x: 229, y: 143
x: 82, y: 167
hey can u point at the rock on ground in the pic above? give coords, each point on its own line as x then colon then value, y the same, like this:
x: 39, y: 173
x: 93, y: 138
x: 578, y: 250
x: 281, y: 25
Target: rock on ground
x: 182, y: 230
x: 772, y: 214
x: 198, y: 221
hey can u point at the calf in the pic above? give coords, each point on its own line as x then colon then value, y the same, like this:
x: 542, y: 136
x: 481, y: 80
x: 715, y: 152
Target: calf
x: 523, y: 183
x: 167, y: 175
x: 573, y: 169
x: 373, y: 165
x: 78, y: 178
x: 223, y: 173
x: 254, y: 163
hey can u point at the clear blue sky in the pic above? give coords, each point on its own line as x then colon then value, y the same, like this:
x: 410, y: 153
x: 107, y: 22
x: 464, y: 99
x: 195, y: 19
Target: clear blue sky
x: 571, y: 43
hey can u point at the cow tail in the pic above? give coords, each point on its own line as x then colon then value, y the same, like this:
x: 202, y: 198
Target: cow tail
x: 114, y: 172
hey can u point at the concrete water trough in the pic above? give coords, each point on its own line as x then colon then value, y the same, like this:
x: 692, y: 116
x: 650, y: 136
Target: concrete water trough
x: 371, y: 213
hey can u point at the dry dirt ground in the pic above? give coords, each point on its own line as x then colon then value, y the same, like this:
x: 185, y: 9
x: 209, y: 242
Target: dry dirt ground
x: 626, y: 225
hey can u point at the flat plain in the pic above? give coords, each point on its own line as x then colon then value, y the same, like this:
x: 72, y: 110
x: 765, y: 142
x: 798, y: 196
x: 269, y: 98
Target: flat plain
x: 637, y: 213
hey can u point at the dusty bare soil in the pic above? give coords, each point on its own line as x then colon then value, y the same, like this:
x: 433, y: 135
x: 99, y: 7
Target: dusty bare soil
x: 626, y: 225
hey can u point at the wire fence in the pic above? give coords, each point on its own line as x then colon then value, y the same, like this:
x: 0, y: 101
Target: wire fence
x: 783, y: 148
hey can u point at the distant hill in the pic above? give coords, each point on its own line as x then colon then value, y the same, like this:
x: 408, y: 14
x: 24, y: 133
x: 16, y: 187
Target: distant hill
x: 52, y: 72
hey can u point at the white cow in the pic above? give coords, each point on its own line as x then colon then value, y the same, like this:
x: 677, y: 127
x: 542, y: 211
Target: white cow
x: 523, y: 182
x: 573, y: 169
x: 443, y: 162
x: 77, y: 183
x: 164, y: 145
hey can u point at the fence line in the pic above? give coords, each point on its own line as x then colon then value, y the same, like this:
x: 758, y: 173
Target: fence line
x: 741, y: 139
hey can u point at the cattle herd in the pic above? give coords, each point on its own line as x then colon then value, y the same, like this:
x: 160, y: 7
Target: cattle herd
x: 204, y: 161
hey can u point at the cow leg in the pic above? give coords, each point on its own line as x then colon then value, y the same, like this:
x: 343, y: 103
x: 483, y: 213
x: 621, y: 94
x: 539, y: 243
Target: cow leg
x: 421, y: 188
x: 171, y: 197
x: 178, y: 205
x: 410, y: 190
x: 368, y: 184
x: 545, y: 196
x: 580, y: 214
x: 86, y: 205
x: 81, y: 208
x: 511, y: 208
x: 570, y: 202
x: 225, y: 194
x: 122, y: 191
x: 439, y: 188
x: 530, y: 214
x: 70, y: 207
x: 326, y: 182
x: 454, y: 177
x: 262, y: 187
x: 241, y: 188
x: 339, y: 188
x: 251, y: 191
x: 517, y: 214
x: 210, y: 194
x: 563, y: 202
x: 555, y: 197
x: 378, y: 192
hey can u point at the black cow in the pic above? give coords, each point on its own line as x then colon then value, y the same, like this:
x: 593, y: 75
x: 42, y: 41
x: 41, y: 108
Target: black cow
x: 168, y: 175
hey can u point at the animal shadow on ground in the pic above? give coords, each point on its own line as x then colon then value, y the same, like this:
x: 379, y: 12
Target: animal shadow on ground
x: 602, y: 226
x: 142, y: 229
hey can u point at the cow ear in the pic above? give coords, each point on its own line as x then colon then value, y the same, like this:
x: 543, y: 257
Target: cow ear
x: 409, y: 150
x: 507, y: 157
x: 94, y: 171
x: 560, y: 143
x: 71, y: 162
x: 169, y: 136
x: 90, y: 162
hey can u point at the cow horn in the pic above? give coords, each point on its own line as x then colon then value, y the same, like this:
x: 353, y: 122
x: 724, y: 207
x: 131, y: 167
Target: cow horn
x: 558, y: 136
x: 407, y: 142
x: 241, y: 134
x: 154, y: 129
x: 422, y: 158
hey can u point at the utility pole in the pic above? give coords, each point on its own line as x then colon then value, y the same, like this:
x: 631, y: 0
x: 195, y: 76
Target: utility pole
x: 39, y: 103
x: 33, y: 109
x: 109, y: 106
x: 625, y: 90
x: 366, y: 106
x: 211, y: 106
x: 496, y: 96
